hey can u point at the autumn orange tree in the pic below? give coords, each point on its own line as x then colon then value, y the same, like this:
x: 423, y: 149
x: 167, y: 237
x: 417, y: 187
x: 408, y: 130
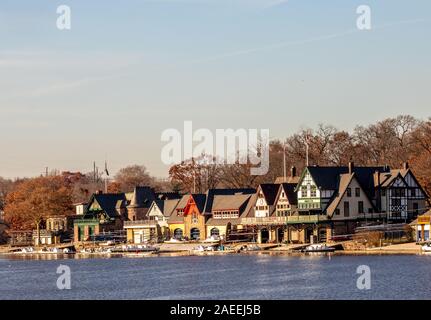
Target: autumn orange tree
x: 33, y: 200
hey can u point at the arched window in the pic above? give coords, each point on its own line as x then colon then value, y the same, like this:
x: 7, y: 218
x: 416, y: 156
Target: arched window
x: 195, y: 233
x: 215, y: 232
x: 178, y: 233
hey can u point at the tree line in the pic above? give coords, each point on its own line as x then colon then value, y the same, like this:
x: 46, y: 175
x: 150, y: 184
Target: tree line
x: 389, y: 142
x: 26, y: 202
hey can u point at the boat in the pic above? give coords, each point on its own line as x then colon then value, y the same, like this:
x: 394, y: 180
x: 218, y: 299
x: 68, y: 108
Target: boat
x: 212, y: 239
x: 426, y: 248
x: 135, y: 249
x: 318, y: 248
x: 174, y: 240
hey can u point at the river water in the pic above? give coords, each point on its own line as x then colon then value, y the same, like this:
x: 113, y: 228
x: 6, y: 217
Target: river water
x: 254, y: 276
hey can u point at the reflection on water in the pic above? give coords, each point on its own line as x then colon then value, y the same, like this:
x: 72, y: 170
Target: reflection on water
x: 248, y: 276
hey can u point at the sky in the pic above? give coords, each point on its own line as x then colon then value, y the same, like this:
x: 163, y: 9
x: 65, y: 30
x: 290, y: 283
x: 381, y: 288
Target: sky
x: 128, y: 70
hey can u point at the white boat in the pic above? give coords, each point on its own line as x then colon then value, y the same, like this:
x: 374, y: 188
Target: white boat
x: 318, y: 248
x: 174, y: 240
x: 212, y: 239
x: 426, y: 248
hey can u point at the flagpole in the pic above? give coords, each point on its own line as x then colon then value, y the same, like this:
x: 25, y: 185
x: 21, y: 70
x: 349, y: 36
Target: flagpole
x: 107, y: 175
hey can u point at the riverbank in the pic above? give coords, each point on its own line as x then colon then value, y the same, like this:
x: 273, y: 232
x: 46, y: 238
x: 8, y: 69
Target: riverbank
x: 189, y: 249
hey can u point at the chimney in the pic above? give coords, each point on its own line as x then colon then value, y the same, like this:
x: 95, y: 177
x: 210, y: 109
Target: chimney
x: 405, y: 165
x: 293, y: 171
x: 351, y: 166
x: 99, y: 192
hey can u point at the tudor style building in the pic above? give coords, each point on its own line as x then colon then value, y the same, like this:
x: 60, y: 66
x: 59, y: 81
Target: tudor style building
x: 399, y: 194
x: 105, y: 212
x: 336, y: 198
x: 265, y: 202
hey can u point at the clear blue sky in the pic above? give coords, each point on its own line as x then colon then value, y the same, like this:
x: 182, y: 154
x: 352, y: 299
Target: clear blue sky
x: 127, y: 70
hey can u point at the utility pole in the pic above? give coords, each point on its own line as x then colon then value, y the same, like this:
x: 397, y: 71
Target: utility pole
x: 284, y: 161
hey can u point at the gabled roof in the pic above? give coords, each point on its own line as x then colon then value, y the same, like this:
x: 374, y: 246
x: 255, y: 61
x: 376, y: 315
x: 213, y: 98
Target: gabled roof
x: 211, y: 193
x: 107, y: 202
x: 183, y: 202
x: 269, y: 191
x: 142, y: 197
x: 199, y: 199
x: 387, y: 178
x: 249, y: 209
x: 415, y: 222
x: 230, y: 202
x: 289, y: 190
x: 327, y: 178
x: 167, y: 207
x: 344, y: 183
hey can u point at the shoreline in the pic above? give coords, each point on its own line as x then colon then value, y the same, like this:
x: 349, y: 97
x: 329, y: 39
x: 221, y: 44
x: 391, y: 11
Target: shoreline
x: 169, y: 250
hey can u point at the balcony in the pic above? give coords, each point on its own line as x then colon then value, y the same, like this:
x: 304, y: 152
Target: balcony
x: 313, y: 218
x: 140, y: 223
x: 283, y: 220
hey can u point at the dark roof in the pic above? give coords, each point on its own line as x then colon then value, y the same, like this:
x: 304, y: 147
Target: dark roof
x: 108, y: 202
x: 142, y: 197
x: 200, y: 200
x: 270, y: 191
x: 328, y: 177
x: 167, y: 206
x: 223, y: 192
x: 167, y: 195
x: 289, y: 189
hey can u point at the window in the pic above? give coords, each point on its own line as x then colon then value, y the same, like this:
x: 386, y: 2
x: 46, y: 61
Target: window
x: 396, y: 202
x: 313, y: 192
x: 357, y: 192
x: 215, y: 232
x: 194, y: 218
x: 337, y: 212
x: 349, y: 192
x: 361, y: 207
x: 413, y: 192
x: 384, y: 193
x: 346, y: 209
x: 304, y: 191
